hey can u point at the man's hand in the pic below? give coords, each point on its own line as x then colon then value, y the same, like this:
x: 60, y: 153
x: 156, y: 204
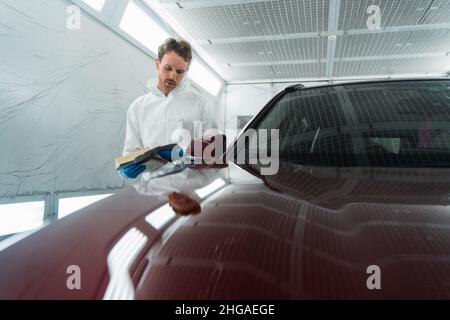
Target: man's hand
x: 132, y: 171
x: 171, y: 154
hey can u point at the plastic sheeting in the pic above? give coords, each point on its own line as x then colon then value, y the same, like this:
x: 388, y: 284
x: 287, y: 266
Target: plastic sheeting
x: 63, y: 99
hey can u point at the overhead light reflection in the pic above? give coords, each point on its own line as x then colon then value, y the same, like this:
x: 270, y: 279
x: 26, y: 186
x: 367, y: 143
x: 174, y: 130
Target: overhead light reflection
x: 211, y: 188
x: 160, y: 217
x: 120, y: 259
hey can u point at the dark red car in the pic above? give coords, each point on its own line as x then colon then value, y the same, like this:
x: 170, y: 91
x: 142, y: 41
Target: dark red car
x: 333, y: 192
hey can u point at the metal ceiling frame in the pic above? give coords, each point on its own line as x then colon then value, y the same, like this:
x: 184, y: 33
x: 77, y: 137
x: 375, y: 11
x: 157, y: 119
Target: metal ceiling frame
x: 347, y: 59
x: 333, y: 23
x: 196, y: 4
x: 386, y: 76
x: 305, y: 35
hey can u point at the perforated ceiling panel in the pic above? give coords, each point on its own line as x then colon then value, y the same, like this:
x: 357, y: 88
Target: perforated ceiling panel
x: 308, y: 70
x: 353, y: 14
x: 267, y: 40
x: 268, y: 51
x: 252, y: 18
x: 390, y: 66
x: 393, y: 43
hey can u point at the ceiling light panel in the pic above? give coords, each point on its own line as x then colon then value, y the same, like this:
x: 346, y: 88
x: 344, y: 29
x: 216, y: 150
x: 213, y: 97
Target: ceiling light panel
x: 393, y: 43
x: 353, y: 14
x: 391, y: 66
x: 438, y: 12
x: 278, y: 50
x: 430, y: 41
x: 361, y: 68
x: 422, y: 65
x: 254, y: 18
x: 289, y: 71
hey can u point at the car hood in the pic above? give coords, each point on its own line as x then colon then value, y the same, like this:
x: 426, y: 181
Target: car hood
x: 304, y: 233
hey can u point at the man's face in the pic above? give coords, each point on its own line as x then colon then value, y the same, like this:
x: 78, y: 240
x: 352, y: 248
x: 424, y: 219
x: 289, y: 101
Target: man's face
x: 171, y: 70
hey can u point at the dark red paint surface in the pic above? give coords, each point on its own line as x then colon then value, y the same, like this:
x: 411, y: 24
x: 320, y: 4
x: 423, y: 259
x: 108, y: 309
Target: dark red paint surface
x: 304, y: 233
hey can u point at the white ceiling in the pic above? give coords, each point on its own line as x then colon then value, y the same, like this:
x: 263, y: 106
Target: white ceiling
x: 254, y: 40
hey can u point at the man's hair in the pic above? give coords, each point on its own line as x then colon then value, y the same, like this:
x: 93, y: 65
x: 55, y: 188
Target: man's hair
x: 180, y: 46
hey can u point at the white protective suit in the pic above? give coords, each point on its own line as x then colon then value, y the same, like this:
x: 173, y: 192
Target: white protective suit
x: 152, y: 120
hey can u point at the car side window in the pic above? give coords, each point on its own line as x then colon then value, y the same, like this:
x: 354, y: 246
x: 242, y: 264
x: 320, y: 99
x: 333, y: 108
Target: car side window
x: 388, y: 124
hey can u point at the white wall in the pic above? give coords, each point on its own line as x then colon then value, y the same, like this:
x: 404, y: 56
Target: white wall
x: 63, y: 99
x: 243, y: 100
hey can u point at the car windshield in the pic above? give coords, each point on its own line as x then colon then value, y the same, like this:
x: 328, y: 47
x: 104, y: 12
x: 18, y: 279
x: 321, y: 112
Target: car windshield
x: 382, y: 124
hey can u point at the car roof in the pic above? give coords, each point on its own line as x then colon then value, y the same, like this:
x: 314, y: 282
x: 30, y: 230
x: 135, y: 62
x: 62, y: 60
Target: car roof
x: 299, y: 86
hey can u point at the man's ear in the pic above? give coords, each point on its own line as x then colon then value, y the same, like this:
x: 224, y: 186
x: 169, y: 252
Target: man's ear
x: 158, y: 64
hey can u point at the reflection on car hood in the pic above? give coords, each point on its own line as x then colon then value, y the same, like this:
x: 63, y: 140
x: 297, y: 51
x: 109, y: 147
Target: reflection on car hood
x: 311, y: 233
x: 303, y: 233
x: 335, y: 187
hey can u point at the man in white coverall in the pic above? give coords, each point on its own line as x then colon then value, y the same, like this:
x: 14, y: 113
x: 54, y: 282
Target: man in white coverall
x: 153, y: 119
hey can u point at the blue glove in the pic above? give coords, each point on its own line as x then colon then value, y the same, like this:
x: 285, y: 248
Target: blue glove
x: 171, y: 155
x: 132, y: 171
